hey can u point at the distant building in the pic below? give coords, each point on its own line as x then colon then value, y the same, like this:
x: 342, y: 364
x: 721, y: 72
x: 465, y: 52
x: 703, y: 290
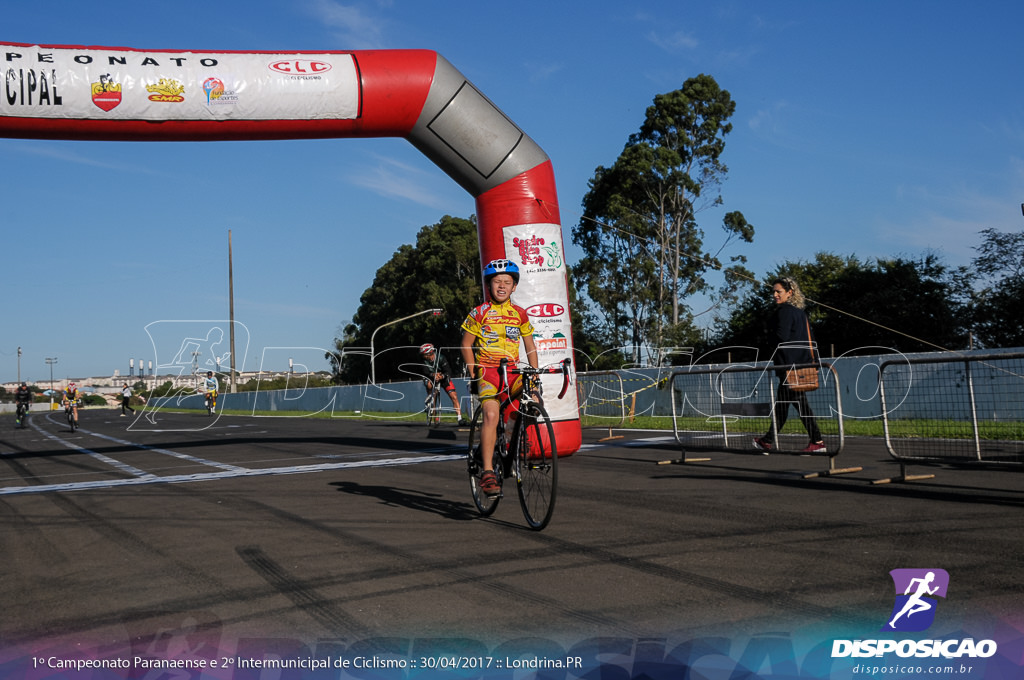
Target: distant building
x: 104, y: 385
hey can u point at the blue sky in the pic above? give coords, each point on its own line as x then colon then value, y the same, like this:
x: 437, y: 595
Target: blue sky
x: 870, y: 128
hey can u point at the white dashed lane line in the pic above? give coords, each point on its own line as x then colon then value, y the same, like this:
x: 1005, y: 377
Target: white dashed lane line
x: 137, y: 476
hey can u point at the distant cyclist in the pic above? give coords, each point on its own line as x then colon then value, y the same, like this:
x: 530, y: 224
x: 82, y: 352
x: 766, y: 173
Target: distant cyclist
x: 210, y: 387
x: 69, y: 400
x: 438, y: 369
x: 23, y: 399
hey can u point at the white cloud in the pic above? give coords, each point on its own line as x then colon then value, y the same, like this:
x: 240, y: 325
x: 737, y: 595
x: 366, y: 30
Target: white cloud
x: 352, y: 26
x: 673, y: 42
x: 950, y: 220
x: 394, y: 179
x: 64, y: 154
x: 540, y: 72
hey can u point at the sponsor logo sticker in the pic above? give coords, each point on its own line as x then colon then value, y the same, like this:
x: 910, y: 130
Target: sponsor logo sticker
x: 546, y: 309
x: 300, y: 67
x: 106, y: 94
x: 214, y: 88
x: 166, y: 90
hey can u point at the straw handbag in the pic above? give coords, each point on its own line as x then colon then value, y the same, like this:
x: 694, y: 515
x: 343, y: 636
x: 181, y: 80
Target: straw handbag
x: 803, y: 379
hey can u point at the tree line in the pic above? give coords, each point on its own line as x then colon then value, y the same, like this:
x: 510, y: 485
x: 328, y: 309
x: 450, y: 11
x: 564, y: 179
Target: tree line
x: 647, y: 258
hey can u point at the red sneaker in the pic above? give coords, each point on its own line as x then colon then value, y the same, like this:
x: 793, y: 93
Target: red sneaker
x: 763, y: 444
x: 815, y: 447
x: 489, y: 484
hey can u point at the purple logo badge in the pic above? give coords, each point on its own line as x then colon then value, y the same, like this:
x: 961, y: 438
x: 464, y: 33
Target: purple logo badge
x: 914, y: 609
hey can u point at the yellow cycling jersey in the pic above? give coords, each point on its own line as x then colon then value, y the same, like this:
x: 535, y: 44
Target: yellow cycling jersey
x: 498, y: 329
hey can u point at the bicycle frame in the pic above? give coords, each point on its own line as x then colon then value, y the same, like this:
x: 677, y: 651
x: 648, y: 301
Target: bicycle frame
x: 531, y: 382
x: 529, y: 454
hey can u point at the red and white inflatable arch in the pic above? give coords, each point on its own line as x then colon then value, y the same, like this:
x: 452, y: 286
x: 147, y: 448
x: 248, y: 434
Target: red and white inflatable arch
x: 100, y: 93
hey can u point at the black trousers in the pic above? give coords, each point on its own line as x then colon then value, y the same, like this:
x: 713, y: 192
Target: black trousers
x: 784, y: 398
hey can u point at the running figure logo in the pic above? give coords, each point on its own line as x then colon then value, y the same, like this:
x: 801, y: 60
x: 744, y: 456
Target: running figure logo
x: 914, y: 609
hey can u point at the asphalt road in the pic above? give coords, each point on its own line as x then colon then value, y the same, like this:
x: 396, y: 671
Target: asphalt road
x: 245, y: 533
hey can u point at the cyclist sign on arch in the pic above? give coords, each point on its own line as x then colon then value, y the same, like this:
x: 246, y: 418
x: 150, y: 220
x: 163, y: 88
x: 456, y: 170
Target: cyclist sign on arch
x: 100, y: 93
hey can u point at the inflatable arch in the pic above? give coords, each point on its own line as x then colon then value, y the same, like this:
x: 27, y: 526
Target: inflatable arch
x: 100, y: 93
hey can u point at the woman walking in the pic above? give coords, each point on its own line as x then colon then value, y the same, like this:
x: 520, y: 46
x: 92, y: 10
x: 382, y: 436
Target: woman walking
x: 792, y: 332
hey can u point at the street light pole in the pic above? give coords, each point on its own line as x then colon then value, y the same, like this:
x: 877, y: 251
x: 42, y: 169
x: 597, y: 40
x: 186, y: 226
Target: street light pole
x: 51, y: 361
x: 373, y: 373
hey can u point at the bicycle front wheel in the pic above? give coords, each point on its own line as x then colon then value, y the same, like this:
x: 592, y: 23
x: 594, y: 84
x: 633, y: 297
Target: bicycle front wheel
x: 434, y: 408
x: 537, y: 465
x: 484, y: 503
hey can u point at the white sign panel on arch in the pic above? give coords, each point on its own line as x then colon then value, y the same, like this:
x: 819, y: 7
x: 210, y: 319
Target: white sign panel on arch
x: 109, y: 84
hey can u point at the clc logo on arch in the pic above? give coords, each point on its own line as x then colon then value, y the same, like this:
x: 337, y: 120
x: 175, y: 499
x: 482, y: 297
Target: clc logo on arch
x: 916, y: 589
x: 299, y: 66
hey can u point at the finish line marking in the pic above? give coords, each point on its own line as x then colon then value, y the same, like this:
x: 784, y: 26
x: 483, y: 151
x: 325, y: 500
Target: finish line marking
x: 139, y: 477
x: 226, y: 474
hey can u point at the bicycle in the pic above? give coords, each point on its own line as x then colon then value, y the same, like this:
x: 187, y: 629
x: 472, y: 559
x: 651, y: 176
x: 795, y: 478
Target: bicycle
x: 432, y: 404
x: 211, y: 402
x: 529, y: 455
x: 22, y: 414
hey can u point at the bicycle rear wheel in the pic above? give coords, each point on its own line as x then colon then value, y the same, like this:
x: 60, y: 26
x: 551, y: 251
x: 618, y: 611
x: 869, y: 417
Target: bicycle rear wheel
x: 485, y: 504
x: 537, y: 465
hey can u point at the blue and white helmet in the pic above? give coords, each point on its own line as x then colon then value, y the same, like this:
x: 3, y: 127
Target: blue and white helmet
x: 495, y: 267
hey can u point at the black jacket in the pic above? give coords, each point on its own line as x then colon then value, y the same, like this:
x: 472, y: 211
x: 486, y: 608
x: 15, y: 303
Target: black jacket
x: 790, y: 331
x: 441, y: 366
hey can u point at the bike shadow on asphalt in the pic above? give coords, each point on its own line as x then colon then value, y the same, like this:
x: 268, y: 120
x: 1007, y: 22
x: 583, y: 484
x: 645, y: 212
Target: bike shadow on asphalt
x: 412, y: 499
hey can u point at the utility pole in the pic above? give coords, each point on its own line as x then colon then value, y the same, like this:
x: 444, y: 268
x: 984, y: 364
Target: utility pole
x: 51, y: 361
x: 231, y: 312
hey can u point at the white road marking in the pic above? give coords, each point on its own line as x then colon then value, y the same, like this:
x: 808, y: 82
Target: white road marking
x: 139, y: 477
x: 123, y: 467
x: 166, y: 452
x: 226, y: 474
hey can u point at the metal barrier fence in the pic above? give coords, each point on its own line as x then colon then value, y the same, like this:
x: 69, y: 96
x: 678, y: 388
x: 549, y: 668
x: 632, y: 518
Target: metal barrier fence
x: 953, y: 408
x: 727, y: 407
x: 602, y: 400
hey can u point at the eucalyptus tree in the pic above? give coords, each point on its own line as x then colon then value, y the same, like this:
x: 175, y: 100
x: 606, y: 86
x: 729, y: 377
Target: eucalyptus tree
x: 644, y: 251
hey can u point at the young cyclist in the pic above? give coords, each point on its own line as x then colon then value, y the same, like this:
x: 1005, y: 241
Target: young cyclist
x: 438, y: 368
x: 492, y: 332
x: 69, y: 399
x: 210, y: 387
x: 23, y: 398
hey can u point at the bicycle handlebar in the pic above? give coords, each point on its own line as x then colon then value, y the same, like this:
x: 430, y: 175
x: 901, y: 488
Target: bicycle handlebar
x: 561, y: 367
